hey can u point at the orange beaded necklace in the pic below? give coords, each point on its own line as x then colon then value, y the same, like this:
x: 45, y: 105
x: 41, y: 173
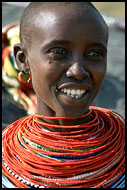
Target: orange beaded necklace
x: 91, y: 156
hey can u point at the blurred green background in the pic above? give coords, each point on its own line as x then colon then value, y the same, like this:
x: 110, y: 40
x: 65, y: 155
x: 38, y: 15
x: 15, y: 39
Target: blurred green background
x: 112, y: 8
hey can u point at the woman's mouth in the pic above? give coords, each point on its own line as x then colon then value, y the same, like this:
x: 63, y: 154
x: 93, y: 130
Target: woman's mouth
x: 74, y: 93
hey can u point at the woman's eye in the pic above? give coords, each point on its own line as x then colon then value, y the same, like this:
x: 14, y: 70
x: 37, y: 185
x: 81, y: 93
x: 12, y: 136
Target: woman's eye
x: 95, y: 54
x: 58, y: 51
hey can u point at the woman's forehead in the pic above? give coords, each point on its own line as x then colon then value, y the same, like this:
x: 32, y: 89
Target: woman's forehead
x: 62, y: 20
x: 62, y: 17
x: 55, y: 25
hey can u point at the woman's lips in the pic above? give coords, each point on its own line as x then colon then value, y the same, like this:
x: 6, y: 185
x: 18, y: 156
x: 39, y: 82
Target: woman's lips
x: 73, y: 93
x: 72, y: 85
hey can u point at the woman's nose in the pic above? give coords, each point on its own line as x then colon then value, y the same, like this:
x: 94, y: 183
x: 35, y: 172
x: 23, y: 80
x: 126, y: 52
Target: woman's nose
x: 77, y: 71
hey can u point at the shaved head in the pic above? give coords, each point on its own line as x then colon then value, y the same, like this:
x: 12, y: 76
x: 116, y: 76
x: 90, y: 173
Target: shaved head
x: 29, y: 17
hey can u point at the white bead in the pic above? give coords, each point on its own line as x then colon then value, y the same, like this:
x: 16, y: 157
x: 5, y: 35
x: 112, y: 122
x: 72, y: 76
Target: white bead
x: 36, y: 185
x: 27, y: 182
x: 23, y: 180
x: 19, y: 178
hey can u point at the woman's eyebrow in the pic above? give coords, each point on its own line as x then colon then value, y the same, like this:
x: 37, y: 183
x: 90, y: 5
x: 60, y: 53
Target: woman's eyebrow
x: 55, y: 42
x: 99, y: 44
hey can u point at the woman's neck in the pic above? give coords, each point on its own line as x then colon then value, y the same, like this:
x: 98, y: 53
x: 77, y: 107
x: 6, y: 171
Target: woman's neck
x: 42, y: 109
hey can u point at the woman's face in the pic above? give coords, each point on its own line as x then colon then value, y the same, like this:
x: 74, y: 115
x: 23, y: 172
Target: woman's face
x: 67, y: 60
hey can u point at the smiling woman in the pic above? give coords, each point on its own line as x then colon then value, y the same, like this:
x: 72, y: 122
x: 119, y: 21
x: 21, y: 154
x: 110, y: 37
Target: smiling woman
x: 77, y: 63
x: 67, y: 143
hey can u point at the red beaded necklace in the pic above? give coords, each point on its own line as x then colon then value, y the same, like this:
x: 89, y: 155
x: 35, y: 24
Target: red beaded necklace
x: 91, y: 156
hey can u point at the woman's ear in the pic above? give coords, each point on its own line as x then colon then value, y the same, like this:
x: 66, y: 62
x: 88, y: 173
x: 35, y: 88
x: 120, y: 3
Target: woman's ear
x: 20, y: 58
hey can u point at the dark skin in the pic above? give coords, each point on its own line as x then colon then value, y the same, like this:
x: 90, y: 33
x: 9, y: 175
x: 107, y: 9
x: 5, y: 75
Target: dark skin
x: 67, y: 51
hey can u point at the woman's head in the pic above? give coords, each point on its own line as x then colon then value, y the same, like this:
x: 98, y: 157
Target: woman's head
x: 64, y: 45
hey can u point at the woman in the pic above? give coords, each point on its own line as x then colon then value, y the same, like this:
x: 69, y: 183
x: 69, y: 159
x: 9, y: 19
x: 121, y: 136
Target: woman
x: 67, y: 143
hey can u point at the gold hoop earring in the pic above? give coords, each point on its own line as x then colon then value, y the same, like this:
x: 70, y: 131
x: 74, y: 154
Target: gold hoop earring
x: 24, y: 78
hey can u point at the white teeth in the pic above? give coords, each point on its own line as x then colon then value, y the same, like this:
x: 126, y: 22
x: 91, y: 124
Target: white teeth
x: 78, y: 96
x: 65, y: 90
x: 83, y: 91
x: 75, y: 93
x: 78, y: 92
x: 68, y: 91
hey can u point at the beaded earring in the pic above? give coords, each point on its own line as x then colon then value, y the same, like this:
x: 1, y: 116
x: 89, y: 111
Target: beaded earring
x: 24, y: 78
